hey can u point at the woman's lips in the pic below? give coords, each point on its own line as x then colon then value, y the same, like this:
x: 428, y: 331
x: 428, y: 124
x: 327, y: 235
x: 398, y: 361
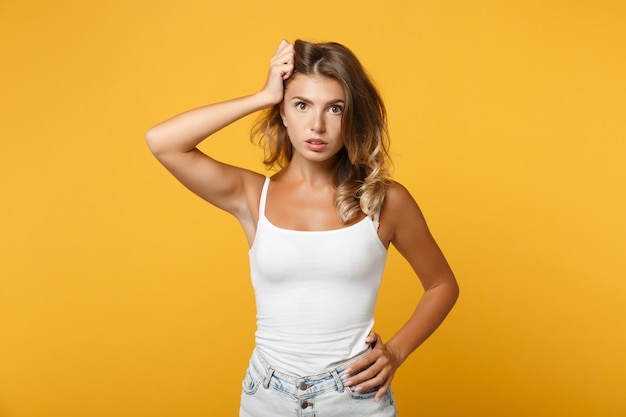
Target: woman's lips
x: 316, y: 144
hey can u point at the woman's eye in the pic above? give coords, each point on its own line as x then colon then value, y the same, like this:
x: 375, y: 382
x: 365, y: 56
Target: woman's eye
x: 301, y: 106
x: 335, y: 109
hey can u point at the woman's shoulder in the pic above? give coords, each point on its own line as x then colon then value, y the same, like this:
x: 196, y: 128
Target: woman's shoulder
x: 403, y: 220
x: 397, y: 194
x: 399, y: 203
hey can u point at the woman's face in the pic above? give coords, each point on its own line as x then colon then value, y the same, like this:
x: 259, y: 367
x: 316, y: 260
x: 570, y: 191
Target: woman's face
x: 312, y: 112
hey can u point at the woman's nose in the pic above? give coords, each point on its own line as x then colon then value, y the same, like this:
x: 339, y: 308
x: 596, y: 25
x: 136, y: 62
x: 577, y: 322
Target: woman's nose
x: 319, y: 123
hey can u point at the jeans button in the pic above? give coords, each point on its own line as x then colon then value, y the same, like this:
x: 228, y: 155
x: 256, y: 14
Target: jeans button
x: 303, y: 386
x: 304, y: 404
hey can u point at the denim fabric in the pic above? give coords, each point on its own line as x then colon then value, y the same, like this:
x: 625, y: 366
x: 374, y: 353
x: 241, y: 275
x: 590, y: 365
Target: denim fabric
x: 268, y: 392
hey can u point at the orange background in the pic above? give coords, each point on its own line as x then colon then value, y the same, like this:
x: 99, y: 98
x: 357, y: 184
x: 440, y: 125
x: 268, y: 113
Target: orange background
x: 123, y: 295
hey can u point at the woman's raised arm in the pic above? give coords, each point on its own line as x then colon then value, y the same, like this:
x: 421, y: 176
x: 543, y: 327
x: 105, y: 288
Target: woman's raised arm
x: 174, y: 142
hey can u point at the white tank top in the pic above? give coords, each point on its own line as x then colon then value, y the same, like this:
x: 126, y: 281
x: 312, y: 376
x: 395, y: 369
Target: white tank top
x: 315, y: 292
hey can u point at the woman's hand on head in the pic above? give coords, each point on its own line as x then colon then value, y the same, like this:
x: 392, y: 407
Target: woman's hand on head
x: 376, y: 369
x: 281, y: 68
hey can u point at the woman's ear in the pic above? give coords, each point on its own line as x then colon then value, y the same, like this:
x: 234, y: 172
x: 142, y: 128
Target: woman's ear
x: 282, y: 114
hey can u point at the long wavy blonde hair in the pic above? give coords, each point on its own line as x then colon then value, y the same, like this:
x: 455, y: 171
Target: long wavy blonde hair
x: 361, y: 175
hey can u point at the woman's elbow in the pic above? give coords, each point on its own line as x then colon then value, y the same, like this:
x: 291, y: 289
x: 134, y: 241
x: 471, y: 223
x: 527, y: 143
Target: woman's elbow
x: 453, y: 290
x: 154, y: 141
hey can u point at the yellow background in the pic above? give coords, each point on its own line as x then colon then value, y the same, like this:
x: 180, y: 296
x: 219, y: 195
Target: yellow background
x: 123, y: 295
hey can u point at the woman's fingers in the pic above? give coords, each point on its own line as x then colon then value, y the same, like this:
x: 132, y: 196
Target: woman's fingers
x: 283, y: 59
x: 375, y: 370
x: 372, y: 338
x: 281, y: 68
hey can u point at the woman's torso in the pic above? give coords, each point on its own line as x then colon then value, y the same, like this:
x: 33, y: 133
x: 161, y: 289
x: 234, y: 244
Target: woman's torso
x: 315, y: 291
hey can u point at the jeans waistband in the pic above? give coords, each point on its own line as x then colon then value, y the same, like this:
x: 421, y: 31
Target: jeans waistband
x: 332, y: 379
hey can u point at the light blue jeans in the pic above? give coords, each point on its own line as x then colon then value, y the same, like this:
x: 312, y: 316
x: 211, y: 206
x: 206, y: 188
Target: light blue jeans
x: 268, y: 392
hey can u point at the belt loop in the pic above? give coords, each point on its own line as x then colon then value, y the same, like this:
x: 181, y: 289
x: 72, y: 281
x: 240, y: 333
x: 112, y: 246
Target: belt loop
x: 268, y: 377
x: 337, y: 379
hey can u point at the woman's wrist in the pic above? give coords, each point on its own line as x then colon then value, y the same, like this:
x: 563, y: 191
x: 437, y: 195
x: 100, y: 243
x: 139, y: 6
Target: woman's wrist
x: 266, y: 99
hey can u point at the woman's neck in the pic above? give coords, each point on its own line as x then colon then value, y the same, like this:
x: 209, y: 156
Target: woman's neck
x: 308, y: 172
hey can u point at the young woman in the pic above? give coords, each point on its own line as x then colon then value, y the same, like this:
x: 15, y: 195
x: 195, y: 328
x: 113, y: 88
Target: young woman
x: 318, y: 232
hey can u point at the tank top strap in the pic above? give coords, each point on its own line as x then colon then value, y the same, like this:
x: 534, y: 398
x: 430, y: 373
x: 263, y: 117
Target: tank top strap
x: 263, y: 197
x: 375, y: 219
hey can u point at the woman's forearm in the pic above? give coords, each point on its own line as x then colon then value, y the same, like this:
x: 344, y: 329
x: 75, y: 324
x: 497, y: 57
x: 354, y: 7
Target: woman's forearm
x: 430, y: 312
x: 184, y: 132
